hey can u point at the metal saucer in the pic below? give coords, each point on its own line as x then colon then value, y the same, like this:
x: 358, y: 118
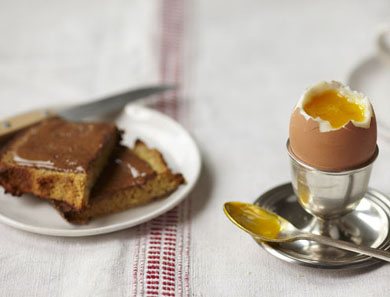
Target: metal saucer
x: 367, y: 225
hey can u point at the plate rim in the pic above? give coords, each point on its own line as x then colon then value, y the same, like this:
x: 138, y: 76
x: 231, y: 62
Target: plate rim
x: 129, y: 223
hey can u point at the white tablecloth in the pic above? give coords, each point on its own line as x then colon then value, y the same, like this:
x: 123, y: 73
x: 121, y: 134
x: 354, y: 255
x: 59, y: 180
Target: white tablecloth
x: 242, y: 66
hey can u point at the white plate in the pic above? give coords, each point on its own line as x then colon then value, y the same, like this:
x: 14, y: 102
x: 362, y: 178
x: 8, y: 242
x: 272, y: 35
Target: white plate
x: 156, y: 130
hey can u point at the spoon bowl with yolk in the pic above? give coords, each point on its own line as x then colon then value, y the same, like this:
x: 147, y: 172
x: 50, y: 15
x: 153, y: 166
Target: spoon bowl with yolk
x: 258, y: 222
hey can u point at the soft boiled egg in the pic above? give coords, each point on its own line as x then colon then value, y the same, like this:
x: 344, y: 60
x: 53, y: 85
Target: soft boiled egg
x: 333, y: 128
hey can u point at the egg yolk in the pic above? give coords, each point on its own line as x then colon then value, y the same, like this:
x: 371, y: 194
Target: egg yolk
x: 255, y: 219
x: 335, y: 108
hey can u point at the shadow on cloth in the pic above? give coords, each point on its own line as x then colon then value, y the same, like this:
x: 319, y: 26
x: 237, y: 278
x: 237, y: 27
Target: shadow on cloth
x: 201, y: 193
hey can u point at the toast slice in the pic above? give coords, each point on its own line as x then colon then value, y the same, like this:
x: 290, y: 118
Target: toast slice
x: 133, y: 177
x: 58, y: 160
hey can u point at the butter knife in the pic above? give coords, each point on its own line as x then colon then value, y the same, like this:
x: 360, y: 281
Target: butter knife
x: 97, y: 107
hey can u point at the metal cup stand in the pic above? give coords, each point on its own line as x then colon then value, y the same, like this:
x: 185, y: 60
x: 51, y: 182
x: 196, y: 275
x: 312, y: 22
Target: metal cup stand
x: 335, y: 204
x: 329, y: 196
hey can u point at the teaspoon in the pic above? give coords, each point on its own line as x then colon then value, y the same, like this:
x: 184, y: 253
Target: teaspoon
x: 267, y: 226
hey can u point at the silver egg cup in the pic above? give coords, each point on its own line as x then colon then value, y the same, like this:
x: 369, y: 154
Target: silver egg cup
x: 335, y: 204
x: 328, y: 195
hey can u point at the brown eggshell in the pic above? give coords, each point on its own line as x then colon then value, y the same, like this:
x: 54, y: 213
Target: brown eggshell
x: 338, y: 150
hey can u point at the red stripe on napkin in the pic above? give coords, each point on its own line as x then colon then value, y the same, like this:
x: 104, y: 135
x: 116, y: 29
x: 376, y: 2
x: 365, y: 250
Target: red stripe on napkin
x: 161, y: 260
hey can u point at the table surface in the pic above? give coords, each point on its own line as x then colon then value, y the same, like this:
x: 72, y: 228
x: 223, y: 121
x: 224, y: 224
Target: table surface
x: 243, y: 65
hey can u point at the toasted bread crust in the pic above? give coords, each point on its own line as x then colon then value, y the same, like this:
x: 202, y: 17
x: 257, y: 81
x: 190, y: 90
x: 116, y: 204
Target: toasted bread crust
x: 67, y: 186
x: 157, y: 185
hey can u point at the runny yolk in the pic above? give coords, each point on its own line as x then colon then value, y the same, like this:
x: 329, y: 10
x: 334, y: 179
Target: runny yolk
x: 335, y: 108
x: 255, y: 219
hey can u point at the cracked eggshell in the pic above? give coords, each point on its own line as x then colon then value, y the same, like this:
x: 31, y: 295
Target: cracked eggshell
x: 353, y: 96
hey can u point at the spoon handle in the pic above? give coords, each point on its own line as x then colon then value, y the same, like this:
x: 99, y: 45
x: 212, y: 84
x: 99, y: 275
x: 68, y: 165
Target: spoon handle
x: 349, y: 246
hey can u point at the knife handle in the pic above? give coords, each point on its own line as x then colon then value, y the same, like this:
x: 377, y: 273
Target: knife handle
x: 12, y: 125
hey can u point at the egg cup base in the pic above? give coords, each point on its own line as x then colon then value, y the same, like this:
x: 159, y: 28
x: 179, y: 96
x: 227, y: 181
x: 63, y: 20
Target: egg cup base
x: 367, y: 225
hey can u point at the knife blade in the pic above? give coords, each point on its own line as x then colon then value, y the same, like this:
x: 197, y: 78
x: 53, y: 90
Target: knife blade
x: 96, y: 107
x: 109, y: 104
